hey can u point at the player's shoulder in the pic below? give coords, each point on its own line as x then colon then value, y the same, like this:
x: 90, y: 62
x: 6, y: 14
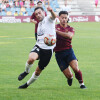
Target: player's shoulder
x: 58, y: 25
x: 70, y: 28
x: 48, y: 18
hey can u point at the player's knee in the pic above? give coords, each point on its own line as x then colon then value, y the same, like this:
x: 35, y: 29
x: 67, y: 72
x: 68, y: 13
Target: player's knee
x: 31, y: 60
x: 38, y: 71
x: 76, y: 70
x: 69, y: 75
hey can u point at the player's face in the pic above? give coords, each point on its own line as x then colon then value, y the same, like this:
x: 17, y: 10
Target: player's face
x: 39, y: 14
x: 63, y: 19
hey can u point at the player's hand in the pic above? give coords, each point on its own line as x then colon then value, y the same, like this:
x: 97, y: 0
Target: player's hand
x: 57, y: 31
x: 34, y: 21
x: 49, y: 9
x: 66, y: 30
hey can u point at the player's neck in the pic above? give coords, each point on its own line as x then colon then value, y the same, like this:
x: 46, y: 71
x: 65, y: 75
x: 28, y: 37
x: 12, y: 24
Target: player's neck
x: 63, y: 25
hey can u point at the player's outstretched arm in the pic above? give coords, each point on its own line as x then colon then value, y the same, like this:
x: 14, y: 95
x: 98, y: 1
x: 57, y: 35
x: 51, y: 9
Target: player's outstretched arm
x: 53, y: 15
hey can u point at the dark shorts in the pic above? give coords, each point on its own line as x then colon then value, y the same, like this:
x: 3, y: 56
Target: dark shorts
x: 64, y: 57
x: 44, y: 56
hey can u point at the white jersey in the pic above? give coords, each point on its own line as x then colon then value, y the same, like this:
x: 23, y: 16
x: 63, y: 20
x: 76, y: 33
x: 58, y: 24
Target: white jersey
x: 47, y: 26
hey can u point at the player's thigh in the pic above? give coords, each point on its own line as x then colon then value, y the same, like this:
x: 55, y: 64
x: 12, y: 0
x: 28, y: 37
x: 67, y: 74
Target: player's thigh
x: 45, y: 57
x: 74, y: 65
x: 60, y: 61
x: 33, y: 56
x: 67, y: 72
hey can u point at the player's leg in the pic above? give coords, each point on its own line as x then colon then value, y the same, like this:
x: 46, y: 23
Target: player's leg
x: 63, y: 65
x: 33, y: 78
x: 32, y: 57
x: 45, y: 57
x: 68, y: 74
x: 78, y: 73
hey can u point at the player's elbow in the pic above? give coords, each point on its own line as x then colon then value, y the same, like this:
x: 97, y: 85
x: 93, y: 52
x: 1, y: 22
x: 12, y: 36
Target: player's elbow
x: 70, y: 37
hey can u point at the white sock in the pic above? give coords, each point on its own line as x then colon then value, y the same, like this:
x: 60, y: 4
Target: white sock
x: 81, y: 84
x: 72, y: 77
x: 27, y: 67
x: 32, y: 79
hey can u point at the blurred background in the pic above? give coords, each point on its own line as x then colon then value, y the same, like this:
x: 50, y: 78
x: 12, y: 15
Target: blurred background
x: 79, y: 10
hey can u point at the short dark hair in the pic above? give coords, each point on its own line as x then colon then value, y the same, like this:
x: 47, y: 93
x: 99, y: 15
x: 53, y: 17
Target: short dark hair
x: 38, y: 8
x: 63, y: 12
x: 39, y: 2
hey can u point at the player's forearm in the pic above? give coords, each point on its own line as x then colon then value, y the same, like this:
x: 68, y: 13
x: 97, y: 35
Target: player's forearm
x: 53, y: 15
x: 66, y: 35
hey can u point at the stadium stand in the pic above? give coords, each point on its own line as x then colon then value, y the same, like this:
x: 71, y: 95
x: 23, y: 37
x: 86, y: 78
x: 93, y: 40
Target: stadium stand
x: 10, y: 7
x: 78, y: 7
x: 82, y: 7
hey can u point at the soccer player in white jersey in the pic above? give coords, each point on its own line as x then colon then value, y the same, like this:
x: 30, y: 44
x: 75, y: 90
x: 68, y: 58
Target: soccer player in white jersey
x: 40, y: 51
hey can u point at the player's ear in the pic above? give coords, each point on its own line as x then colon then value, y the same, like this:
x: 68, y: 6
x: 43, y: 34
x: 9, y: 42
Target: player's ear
x: 68, y: 19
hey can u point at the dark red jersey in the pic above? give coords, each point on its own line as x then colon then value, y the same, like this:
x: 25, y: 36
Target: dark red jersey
x: 34, y: 17
x: 36, y: 25
x: 62, y: 42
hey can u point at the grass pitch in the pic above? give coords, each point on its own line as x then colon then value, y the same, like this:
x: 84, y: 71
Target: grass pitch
x: 16, y: 41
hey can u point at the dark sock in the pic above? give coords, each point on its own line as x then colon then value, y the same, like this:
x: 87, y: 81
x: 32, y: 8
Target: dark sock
x: 78, y: 76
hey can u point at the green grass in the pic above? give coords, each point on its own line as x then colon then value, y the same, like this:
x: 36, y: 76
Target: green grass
x: 16, y: 41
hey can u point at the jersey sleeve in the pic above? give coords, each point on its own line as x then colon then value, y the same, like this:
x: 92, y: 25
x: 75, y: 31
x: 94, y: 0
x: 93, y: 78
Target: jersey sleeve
x: 50, y: 20
x: 33, y: 16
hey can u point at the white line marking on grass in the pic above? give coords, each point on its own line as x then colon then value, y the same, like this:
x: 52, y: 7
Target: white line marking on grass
x: 6, y: 42
x: 18, y: 38
x: 23, y: 38
x: 29, y: 37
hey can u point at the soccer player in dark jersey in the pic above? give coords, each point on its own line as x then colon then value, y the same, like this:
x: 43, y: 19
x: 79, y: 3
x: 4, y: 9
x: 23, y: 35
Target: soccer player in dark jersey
x: 64, y: 53
x: 34, y: 20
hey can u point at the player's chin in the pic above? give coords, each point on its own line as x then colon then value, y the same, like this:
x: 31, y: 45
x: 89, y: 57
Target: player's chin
x: 40, y: 18
x: 63, y: 24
